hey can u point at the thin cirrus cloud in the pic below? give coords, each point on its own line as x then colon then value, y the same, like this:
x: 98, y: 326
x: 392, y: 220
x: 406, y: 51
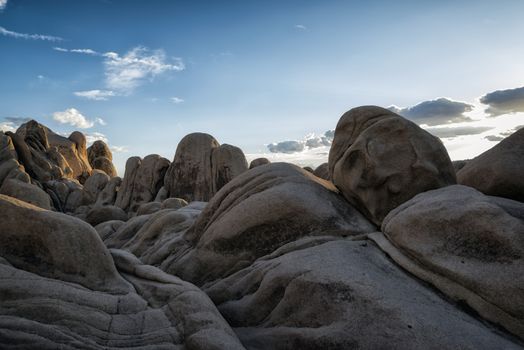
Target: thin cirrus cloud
x: 96, y: 95
x: 16, y: 35
x: 176, y: 100
x: 73, y: 117
x: 507, y: 101
x: 300, y: 27
x: 124, y: 73
x: 436, y: 112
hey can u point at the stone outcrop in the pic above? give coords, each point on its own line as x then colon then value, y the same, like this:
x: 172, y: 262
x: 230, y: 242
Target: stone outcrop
x: 142, y: 180
x: 322, y: 171
x: 379, y: 160
x: 256, y: 213
x: 227, y: 162
x: 61, y: 288
x: 100, y: 157
x: 468, y: 245
x: 26, y: 192
x: 498, y: 171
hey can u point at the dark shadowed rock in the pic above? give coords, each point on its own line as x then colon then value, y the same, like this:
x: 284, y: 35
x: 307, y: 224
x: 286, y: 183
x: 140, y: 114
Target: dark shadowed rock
x: 499, y: 171
x: 379, y: 160
x: 174, y: 203
x: 459, y: 164
x: 308, y: 169
x: 257, y: 212
x: 142, y: 181
x: 257, y: 162
x: 322, y: 171
x: 26, y: 192
x: 321, y: 293
x: 190, y: 174
x: 468, y: 245
x: 227, y: 162
x: 99, y: 214
x: 149, y: 208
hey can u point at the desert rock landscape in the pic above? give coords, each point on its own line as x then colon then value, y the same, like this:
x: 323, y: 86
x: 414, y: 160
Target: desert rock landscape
x: 389, y: 244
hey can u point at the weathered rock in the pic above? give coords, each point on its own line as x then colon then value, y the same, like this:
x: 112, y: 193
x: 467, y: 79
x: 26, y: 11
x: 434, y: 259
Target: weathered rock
x: 174, y: 203
x: 99, y: 214
x: 106, y: 229
x: 190, y: 174
x: 308, y: 169
x: 498, y: 171
x: 468, y: 245
x: 149, y: 208
x: 62, y: 289
x: 258, y: 162
x: 108, y: 195
x: 317, y: 293
x: 26, y: 192
x: 379, y: 160
x: 227, y: 162
x: 100, y: 157
x: 56, y: 246
x: 162, y: 195
x: 322, y: 171
x: 93, y: 186
x: 142, y: 181
x: 459, y: 164
x: 256, y: 213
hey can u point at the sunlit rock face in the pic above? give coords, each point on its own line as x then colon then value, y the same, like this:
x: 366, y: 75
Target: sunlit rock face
x: 379, y: 160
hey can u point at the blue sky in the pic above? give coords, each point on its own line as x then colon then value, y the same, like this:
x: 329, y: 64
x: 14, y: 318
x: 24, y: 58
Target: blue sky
x: 142, y: 74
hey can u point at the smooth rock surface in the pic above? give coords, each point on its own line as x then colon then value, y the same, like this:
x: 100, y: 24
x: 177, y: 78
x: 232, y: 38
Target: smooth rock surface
x: 26, y: 192
x: 227, y: 162
x: 379, y: 160
x: 499, y: 171
x: 257, y: 162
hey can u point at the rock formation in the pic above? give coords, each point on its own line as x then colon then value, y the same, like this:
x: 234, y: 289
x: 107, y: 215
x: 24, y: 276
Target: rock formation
x: 258, y: 162
x: 498, y: 171
x: 100, y: 157
x: 379, y: 160
x: 322, y: 171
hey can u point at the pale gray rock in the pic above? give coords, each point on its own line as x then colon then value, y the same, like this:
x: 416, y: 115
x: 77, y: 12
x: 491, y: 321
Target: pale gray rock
x: 227, y: 162
x: 190, y: 174
x: 257, y: 212
x: 468, y: 245
x: 26, y: 192
x: 379, y: 160
x: 320, y: 293
x: 499, y: 171
x: 162, y: 195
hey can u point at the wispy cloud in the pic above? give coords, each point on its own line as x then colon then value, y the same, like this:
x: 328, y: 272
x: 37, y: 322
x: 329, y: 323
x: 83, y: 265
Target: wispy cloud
x: 300, y: 27
x: 17, y: 35
x: 124, y: 73
x: 72, y: 116
x: 119, y: 149
x: 97, y: 95
x: 12, y: 123
x: 3, y: 4
x: 7, y: 126
x: 95, y: 136
x: 176, y: 100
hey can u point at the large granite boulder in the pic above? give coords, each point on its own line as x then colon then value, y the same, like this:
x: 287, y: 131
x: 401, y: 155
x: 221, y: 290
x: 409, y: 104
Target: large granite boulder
x: 257, y: 212
x: 328, y: 293
x: 190, y: 174
x: 322, y: 171
x: 26, y: 192
x: 468, y: 245
x: 100, y: 157
x: 142, y: 180
x: 499, y: 171
x: 62, y: 289
x: 379, y: 160
x: 10, y: 168
x: 99, y: 214
x: 227, y: 162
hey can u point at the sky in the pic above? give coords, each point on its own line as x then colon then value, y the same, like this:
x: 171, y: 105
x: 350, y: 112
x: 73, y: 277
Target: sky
x: 271, y: 77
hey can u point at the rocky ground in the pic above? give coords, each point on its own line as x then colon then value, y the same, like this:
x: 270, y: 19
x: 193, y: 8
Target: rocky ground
x: 388, y: 245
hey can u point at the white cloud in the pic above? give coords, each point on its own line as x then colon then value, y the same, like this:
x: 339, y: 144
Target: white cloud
x: 300, y: 26
x: 176, y: 100
x: 72, y: 116
x: 17, y: 35
x: 84, y: 51
x: 3, y: 4
x: 127, y: 72
x: 7, y: 126
x: 119, y: 149
x: 95, y: 136
x: 97, y: 95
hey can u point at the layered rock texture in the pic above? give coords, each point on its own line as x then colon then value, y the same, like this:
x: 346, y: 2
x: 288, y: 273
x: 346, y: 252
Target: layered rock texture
x: 204, y: 253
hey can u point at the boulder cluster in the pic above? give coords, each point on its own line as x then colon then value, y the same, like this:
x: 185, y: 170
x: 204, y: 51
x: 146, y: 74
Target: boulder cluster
x: 387, y: 245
